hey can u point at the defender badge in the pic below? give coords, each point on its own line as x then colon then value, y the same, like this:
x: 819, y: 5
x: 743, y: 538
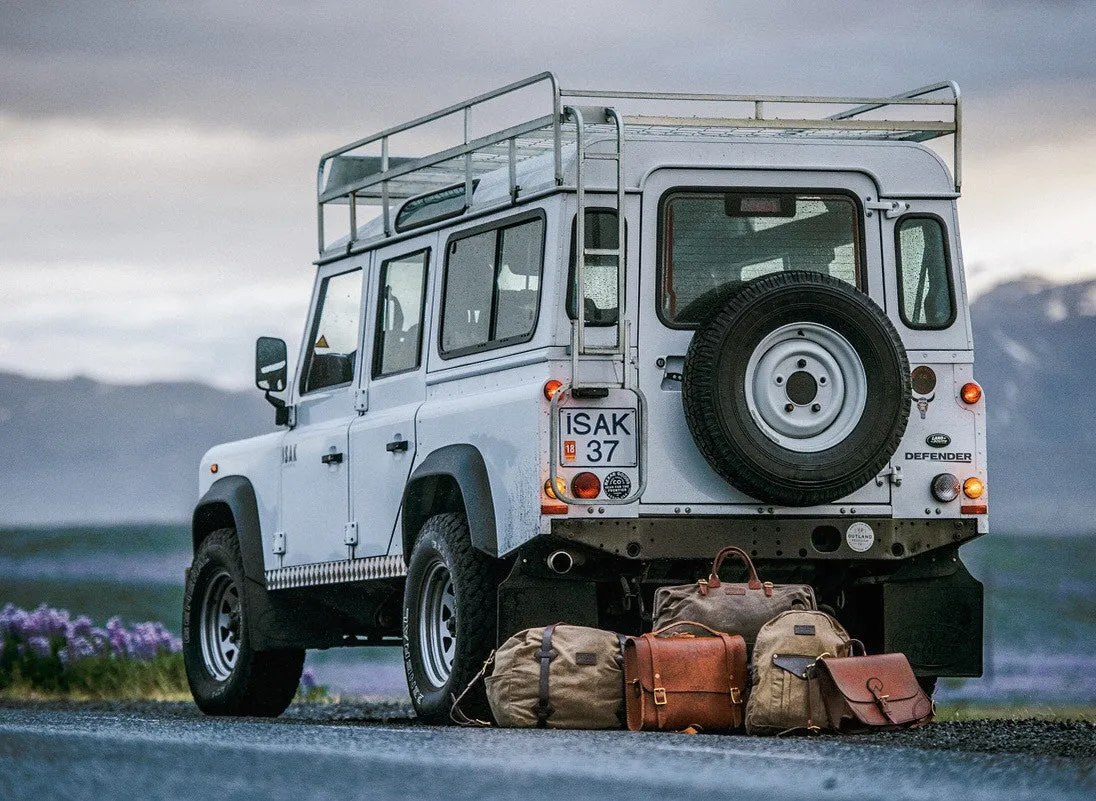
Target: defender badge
x: 938, y: 440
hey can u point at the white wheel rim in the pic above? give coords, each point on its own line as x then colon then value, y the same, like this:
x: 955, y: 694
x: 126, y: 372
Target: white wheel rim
x: 219, y: 630
x: 438, y: 624
x: 806, y: 387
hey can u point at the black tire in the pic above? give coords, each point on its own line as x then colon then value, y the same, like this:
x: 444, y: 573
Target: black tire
x: 730, y: 401
x: 447, y: 632
x: 226, y: 676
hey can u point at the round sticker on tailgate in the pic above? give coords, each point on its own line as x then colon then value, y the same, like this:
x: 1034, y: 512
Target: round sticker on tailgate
x: 860, y: 537
x: 617, y: 485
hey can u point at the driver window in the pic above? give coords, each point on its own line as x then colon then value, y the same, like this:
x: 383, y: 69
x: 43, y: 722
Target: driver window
x: 333, y: 342
x: 398, y: 341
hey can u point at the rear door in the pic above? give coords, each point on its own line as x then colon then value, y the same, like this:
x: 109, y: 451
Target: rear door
x: 382, y: 438
x: 694, y: 252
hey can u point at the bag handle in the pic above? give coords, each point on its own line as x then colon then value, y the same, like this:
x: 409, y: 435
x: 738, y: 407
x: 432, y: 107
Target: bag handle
x: 456, y: 714
x: 711, y: 631
x: 730, y: 550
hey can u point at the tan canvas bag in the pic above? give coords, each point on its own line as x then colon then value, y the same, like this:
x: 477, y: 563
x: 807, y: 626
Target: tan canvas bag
x: 559, y: 677
x: 785, y: 694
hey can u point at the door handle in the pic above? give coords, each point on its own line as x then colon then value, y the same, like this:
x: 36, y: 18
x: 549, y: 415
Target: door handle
x: 396, y: 445
x: 332, y: 458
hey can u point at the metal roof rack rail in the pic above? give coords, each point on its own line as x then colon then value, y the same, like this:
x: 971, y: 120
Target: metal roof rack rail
x: 347, y: 175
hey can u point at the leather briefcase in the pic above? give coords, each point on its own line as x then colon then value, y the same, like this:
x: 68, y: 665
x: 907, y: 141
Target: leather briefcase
x: 674, y: 682
x: 871, y: 693
x: 732, y: 608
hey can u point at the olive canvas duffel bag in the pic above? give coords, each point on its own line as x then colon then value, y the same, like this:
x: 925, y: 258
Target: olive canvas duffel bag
x: 785, y: 694
x: 732, y: 608
x: 558, y: 677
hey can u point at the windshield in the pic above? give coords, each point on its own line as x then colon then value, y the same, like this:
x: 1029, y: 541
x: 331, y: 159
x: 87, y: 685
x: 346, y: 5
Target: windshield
x: 713, y: 241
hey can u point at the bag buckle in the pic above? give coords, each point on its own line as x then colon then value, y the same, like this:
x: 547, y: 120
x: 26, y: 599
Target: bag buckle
x: 660, y: 696
x: 736, y: 696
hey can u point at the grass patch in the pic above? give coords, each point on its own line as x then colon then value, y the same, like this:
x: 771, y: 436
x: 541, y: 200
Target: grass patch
x: 962, y: 710
x: 100, y: 679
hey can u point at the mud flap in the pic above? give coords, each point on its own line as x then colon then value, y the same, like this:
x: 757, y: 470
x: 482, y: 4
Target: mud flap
x: 527, y: 601
x: 932, y: 612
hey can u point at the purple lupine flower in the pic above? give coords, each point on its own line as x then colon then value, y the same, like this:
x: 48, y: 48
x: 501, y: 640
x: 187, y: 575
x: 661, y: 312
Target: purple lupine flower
x: 38, y: 646
x: 308, y: 680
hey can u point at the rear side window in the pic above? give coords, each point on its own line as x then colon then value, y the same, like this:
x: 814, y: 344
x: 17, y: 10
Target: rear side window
x: 924, y: 290
x: 398, y: 340
x: 333, y: 345
x: 713, y: 241
x: 601, y: 233
x: 492, y: 287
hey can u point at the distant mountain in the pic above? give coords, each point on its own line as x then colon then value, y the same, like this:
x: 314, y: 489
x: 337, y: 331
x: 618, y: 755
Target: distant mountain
x: 79, y: 451
x: 1035, y: 356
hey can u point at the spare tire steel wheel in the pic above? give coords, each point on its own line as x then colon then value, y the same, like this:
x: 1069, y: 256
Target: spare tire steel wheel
x: 797, y: 391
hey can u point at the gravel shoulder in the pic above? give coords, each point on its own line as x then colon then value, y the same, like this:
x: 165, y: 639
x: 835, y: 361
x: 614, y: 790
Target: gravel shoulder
x: 1069, y: 740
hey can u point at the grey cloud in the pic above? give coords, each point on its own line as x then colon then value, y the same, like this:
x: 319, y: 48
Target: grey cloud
x: 299, y: 65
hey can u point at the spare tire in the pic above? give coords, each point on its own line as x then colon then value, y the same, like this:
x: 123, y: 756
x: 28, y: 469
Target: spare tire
x: 797, y: 390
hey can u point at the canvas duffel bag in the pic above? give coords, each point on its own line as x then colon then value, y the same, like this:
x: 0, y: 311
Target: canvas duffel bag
x: 674, y: 682
x: 731, y: 608
x: 784, y: 693
x: 868, y: 693
x: 558, y: 677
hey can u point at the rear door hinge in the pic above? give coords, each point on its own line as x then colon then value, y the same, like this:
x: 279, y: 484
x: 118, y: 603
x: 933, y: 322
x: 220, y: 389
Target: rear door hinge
x: 361, y: 400
x: 893, y: 473
x: 279, y: 543
x: 350, y: 533
x: 890, y: 208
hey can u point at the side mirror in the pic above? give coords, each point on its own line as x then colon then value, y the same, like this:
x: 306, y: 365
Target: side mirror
x: 271, y: 364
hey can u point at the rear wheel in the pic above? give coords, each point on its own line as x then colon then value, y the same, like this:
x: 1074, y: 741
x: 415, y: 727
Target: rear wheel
x: 226, y: 676
x: 449, y: 618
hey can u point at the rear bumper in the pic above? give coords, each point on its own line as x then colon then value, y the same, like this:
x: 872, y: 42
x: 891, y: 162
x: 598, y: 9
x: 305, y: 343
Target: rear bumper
x: 844, y: 539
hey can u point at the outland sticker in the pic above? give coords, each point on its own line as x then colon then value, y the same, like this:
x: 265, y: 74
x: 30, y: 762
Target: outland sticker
x: 860, y: 537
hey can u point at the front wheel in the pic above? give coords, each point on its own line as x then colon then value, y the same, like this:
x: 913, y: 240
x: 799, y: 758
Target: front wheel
x: 226, y: 676
x: 449, y: 621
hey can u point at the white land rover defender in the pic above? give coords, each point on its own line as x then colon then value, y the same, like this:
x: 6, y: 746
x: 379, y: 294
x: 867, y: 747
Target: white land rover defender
x: 573, y: 356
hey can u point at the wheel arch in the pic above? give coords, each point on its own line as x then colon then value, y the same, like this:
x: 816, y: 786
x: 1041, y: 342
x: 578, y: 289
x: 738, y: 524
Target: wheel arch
x: 451, y: 479
x: 230, y: 503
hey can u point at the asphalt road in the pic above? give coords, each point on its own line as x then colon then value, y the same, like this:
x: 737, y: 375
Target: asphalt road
x: 170, y: 751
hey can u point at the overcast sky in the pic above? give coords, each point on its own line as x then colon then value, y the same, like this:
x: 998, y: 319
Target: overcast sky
x: 157, y: 159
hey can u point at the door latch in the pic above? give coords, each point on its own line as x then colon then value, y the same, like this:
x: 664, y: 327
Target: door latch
x: 396, y: 445
x: 332, y: 458
x: 894, y: 474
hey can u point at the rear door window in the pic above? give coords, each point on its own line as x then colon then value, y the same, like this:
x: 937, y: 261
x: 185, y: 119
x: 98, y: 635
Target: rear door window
x: 713, y: 241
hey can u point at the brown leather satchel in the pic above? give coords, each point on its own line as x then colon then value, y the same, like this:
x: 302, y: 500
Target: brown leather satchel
x: 733, y: 608
x: 674, y: 682
x: 871, y: 693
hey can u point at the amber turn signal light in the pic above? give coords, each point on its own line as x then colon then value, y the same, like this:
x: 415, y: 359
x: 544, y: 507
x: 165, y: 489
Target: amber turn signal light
x: 586, y: 486
x: 970, y: 393
x: 973, y: 487
x: 213, y: 468
x: 555, y: 492
x: 551, y: 387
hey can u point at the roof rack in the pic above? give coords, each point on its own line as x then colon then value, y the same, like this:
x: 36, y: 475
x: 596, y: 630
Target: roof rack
x: 352, y: 174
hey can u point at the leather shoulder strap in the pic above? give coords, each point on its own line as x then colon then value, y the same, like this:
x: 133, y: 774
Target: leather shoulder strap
x: 545, y: 655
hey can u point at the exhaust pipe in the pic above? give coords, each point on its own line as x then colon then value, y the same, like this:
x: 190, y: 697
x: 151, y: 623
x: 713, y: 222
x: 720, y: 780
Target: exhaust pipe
x: 562, y: 561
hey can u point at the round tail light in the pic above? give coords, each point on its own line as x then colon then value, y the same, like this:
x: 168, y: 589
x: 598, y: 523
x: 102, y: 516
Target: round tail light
x: 973, y: 487
x: 945, y: 487
x: 586, y: 486
x: 970, y: 393
x: 551, y: 387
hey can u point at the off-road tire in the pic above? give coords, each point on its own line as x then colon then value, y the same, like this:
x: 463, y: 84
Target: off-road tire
x: 716, y: 377
x: 444, y: 544
x: 257, y: 683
